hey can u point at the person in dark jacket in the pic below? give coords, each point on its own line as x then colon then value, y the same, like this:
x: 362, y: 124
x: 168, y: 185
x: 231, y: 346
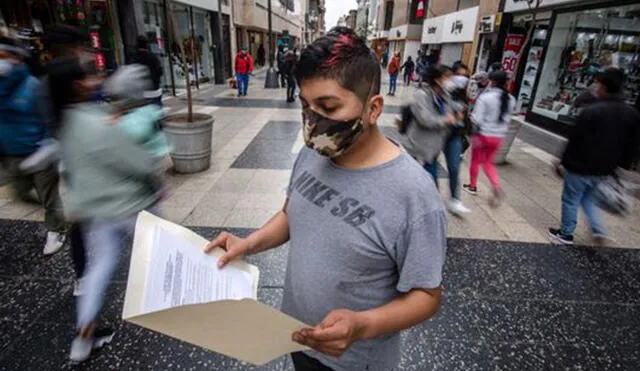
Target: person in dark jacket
x: 409, y: 67
x: 261, y: 55
x: 597, y: 146
x: 146, y: 58
x: 281, y: 67
x: 22, y: 128
x: 290, y: 60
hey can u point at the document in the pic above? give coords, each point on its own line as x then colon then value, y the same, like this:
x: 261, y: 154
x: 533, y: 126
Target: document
x: 175, y: 289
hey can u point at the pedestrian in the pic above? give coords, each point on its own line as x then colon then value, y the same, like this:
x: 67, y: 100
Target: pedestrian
x: 366, y: 228
x: 434, y: 117
x: 281, y: 65
x: 108, y: 186
x: 393, y: 70
x: 244, y: 67
x: 491, y: 114
x: 597, y: 146
x: 261, y: 55
x: 421, y: 68
x: 290, y: 60
x: 22, y: 128
x: 146, y: 58
x: 409, y: 67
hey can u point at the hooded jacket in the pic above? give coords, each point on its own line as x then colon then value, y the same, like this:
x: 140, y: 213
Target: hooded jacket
x: 21, y: 122
x: 244, y: 63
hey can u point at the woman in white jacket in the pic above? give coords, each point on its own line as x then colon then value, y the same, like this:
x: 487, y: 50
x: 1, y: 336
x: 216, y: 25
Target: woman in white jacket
x: 492, y: 115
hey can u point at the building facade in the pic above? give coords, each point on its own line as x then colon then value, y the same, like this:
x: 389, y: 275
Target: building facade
x: 314, y: 20
x: 398, y: 28
x: 351, y: 19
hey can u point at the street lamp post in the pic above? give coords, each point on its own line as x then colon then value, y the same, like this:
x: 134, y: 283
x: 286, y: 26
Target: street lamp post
x: 271, y: 82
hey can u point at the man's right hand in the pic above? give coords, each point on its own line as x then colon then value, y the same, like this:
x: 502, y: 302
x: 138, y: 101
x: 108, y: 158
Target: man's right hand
x: 234, y: 247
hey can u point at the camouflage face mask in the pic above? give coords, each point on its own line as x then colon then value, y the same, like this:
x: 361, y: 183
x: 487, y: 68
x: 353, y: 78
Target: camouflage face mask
x: 329, y: 137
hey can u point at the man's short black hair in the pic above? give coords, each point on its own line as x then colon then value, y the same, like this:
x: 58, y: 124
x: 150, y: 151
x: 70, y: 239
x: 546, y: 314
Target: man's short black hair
x: 612, y: 79
x: 342, y: 56
x: 434, y: 73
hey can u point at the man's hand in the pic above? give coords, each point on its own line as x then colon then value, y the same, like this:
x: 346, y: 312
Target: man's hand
x: 450, y: 119
x: 235, y: 247
x: 335, y: 334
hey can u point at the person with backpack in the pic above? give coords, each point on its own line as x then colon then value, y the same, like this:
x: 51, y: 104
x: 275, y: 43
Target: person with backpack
x: 244, y: 67
x: 491, y: 114
x: 22, y: 129
x: 408, y: 67
x: 421, y: 68
x: 393, y: 70
x: 432, y: 118
x: 282, y: 51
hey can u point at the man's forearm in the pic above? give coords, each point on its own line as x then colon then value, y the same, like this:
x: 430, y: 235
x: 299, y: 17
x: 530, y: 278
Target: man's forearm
x: 273, y: 234
x: 401, y: 313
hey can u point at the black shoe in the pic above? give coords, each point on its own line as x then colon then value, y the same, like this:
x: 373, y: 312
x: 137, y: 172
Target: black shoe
x: 556, y: 236
x: 469, y: 189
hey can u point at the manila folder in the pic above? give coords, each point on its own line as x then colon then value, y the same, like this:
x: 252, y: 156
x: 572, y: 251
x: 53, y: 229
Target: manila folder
x: 176, y: 289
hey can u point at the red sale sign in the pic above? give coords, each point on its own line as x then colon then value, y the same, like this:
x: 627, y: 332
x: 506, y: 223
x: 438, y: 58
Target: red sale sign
x: 101, y: 62
x: 512, y: 47
x: 95, y: 40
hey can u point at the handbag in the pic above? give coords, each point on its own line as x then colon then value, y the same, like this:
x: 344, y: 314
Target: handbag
x: 611, y: 196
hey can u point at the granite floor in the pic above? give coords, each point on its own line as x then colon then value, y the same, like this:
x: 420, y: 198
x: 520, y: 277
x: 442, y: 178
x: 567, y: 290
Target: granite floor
x: 511, y: 301
x: 506, y: 306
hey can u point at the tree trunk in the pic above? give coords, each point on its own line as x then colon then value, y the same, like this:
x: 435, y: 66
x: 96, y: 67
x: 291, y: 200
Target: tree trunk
x: 185, y: 66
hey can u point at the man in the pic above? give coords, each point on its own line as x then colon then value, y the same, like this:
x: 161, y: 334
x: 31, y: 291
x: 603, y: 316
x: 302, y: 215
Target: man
x: 365, y: 223
x: 421, y: 68
x: 22, y: 127
x: 281, y: 65
x: 261, y: 55
x: 290, y: 60
x: 244, y: 67
x: 146, y: 58
x: 409, y: 67
x: 597, y: 146
x: 394, y: 69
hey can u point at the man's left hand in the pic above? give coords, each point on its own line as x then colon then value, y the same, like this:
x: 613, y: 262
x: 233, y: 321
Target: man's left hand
x: 335, y: 334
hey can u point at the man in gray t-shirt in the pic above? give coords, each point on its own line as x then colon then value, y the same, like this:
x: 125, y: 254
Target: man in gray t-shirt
x: 366, y: 225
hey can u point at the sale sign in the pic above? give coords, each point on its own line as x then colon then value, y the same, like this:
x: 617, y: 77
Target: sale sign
x: 95, y: 40
x: 512, y: 47
x: 101, y: 62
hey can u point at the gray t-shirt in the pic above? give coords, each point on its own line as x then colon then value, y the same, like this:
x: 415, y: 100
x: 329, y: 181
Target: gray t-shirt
x: 359, y: 239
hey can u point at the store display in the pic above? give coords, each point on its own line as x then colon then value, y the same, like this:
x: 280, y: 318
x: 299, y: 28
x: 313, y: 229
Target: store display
x: 582, y: 44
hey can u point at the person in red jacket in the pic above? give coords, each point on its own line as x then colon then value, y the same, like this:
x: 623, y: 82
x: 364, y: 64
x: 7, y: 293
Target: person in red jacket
x: 393, y: 69
x: 244, y: 66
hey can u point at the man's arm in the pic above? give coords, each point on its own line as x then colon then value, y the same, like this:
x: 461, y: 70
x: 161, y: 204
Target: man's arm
x: 273, y: 234
x: 341, y: 328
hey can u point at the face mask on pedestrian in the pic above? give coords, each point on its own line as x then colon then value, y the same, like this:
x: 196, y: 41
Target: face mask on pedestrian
x: 460, y: 81
x: 331, y: 138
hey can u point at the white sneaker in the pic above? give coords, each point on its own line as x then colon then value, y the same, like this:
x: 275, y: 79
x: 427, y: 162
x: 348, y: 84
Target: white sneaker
x: 78, y: 287
x: 457, y: 208
x: 55, y: 241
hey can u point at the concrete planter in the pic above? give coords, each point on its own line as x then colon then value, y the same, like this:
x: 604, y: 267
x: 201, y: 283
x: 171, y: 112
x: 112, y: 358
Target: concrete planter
x: 514, y: 128
x: 191, y: 141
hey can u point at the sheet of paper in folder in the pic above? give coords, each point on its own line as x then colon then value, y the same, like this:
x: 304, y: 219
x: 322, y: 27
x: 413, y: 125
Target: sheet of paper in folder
x: 175, y: 289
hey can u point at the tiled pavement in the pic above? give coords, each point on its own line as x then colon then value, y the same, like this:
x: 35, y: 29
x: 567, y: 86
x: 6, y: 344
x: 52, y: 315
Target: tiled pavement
x: 511, y: 300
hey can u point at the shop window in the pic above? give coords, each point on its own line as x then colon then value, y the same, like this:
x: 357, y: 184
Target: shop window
x: 581, y: 44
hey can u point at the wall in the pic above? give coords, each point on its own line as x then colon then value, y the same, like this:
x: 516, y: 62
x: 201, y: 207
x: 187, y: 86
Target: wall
x: 487, y: 8
x: 400, y: 13
x: 442, y: 7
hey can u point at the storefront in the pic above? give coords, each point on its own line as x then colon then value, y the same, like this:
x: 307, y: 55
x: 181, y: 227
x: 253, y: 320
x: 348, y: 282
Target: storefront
x: 30, y: 20
x: 488, y: 40
x: 451, y: 36
x: 563, y: 60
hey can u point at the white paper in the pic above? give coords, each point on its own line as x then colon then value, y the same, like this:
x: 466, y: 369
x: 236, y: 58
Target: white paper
x: 180, y: 274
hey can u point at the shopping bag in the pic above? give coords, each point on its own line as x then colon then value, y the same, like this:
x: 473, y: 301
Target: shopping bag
x: 611, y: 196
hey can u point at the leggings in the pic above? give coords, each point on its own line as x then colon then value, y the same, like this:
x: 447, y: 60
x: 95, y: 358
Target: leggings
x: 483, y: 152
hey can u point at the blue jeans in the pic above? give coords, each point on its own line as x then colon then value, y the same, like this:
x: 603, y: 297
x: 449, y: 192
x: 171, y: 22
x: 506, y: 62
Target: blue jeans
x: 242, y: 80
x: 452, y: 152
x: 393, y: 81
x: 575, y: 193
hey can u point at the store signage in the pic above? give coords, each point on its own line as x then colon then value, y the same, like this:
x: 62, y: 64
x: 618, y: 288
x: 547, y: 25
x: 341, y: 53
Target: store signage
x: 420, y: 10
x: 511, y: 6
x: 487, y: 24
x: 101, y: 62
x: 432, y: 30
x: 512, y: 47
x: 459, y: 27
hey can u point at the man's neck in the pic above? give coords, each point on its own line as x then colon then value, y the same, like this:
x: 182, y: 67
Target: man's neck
x: 370, y: 150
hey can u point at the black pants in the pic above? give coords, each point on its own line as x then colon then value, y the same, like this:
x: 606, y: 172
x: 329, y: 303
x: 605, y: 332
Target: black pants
x: 407, y: 78
x: 291, y: 89
x: 302, y: 362
x: 78, y: 254
x: 283, y: 79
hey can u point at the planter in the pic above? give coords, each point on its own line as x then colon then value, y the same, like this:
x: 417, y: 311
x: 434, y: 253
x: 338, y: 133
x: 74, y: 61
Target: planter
x: 514, y: 128
x: 190, y: 141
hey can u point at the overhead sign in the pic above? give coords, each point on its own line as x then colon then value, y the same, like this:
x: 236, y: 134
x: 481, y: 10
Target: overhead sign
x: 432, y: 30
x: 460, y: 27
x: 487, y: 24
x: 511, y: 6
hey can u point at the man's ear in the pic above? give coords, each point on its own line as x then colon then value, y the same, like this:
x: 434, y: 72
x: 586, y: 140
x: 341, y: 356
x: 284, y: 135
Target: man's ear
x: 376, y: 105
